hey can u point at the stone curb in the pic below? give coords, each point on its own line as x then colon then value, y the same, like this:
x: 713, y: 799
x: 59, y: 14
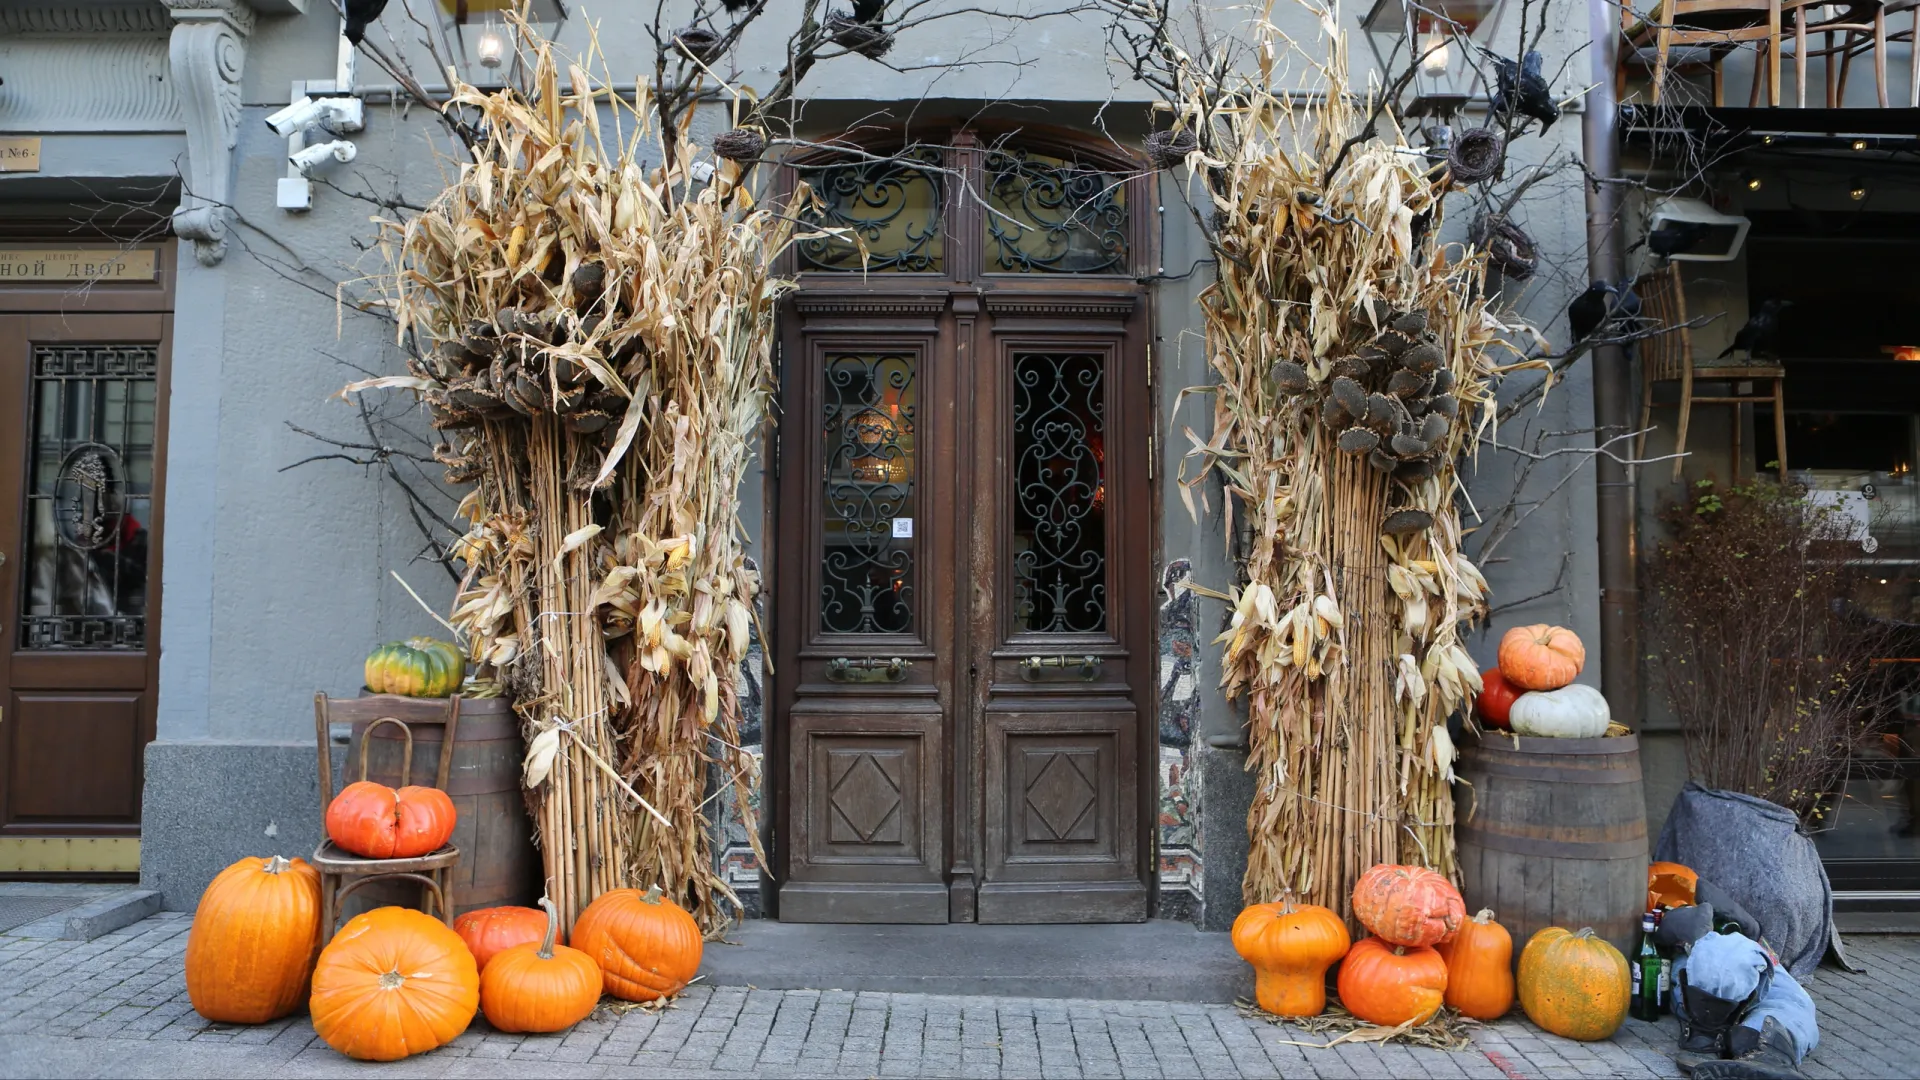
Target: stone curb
x: 109, y: 913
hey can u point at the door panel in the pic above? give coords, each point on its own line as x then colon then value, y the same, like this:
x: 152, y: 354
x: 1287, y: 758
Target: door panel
x: 82, y: 427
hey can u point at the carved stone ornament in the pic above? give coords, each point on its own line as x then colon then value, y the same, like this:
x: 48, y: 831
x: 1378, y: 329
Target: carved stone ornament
x: 208, y: 53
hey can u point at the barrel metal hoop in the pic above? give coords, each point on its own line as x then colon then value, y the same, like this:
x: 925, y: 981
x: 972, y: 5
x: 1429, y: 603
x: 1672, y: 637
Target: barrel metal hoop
x: 1533, y: 744
x: 1481, y: 764
x: 1554, y: 849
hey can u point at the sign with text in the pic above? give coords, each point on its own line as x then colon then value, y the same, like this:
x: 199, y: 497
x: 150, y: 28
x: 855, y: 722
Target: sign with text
x: 20, y: 155
x: 23, y: 264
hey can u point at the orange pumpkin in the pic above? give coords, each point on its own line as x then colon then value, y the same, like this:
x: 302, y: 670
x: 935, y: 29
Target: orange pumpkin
x: 1390, y: 985
x: 1670, y: 884
x: 375, y: 821
x: 489, y: 931
x: 647, y: 946
x: 1574, y: 984
x: 392, y: 983
x: 1480, y: 968
x: 1541, y: 657
x: 1290, y: 947
x: 255, y: 935
x: 540, y: 987
x: 1495, y: 699
x: 1408, y: 905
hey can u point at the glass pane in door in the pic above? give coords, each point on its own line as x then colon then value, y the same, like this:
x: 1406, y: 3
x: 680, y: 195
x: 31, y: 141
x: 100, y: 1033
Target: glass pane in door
x: 867, y: 565
x: 1059, y: 494
x: 89, y: 496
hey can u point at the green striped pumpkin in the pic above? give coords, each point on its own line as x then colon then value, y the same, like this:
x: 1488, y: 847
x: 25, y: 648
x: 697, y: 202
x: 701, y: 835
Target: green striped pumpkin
x: 416, y: 667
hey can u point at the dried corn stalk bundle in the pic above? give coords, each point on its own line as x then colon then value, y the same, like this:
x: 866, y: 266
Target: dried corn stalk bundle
x: 1353, y: 367
x: 592, y: 338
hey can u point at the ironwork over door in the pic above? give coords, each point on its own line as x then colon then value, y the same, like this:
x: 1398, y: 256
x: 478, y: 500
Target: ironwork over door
x: 81, y: 432
x: 962, y: 632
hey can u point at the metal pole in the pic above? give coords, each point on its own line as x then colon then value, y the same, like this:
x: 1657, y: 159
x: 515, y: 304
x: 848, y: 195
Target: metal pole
x: 1612, y: 379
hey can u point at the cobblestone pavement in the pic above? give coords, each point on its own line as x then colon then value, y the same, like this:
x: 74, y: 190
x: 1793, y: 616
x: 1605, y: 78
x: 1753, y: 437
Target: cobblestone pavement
x: 117, y: 1006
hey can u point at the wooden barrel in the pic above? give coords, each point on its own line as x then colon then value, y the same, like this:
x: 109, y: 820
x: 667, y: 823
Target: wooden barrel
x: 1553, y: 832
x: 498, y: 861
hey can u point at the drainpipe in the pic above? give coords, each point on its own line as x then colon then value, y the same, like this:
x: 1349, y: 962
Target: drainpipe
x: 1612, y: 377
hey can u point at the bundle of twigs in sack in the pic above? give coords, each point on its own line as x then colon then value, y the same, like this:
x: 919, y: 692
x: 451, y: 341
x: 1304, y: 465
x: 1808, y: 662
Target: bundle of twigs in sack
x: 1352, y: 363
x: 592, y: 338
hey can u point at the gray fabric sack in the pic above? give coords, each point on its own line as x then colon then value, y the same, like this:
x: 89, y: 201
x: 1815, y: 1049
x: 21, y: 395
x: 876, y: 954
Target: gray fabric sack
x: 1754, y: 850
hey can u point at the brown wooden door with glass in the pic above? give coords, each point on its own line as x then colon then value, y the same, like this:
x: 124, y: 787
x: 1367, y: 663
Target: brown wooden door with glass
x: 80, y: 436
x: 961, y: 662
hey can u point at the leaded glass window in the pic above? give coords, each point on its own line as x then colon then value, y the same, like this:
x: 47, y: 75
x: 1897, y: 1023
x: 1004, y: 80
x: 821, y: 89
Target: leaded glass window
x: 1059, y: 494
x: 89, y: 497
x: 867, y: 565
x: 1049, y: 214
x: 892, y: 206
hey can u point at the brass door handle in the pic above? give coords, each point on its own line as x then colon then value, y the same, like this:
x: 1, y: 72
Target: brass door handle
x: 867, y: 669
x: 1090, y: 666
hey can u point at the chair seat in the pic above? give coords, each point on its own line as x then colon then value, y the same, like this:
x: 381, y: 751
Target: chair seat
x: 1703, y: 372
x: 330, y: 858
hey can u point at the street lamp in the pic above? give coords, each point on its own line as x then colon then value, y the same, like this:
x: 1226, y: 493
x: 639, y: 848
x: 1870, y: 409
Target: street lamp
x: 1443, y: 79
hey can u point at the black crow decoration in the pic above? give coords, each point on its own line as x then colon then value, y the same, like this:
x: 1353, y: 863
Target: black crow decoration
x: 1588, y: 312
x: 869, y: 12
x: 1759, y: 331
x: 1522, y: 89
x: 358, y: 15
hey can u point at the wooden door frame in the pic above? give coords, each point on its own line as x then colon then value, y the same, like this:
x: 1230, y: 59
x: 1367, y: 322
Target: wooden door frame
x: 106, y: 312
x: 965, y: 312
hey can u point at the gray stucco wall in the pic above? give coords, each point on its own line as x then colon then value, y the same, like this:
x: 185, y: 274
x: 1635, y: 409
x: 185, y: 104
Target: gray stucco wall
x: 278, y: 582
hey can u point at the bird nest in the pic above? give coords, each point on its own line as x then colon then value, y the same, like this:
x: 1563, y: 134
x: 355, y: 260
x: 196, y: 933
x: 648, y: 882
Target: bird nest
x: 1476, y: 155
x: 700, y: 43
x: 1509, y: 249
x: 855, y: 36
x: 739, y: 144
x: 1169, y: 148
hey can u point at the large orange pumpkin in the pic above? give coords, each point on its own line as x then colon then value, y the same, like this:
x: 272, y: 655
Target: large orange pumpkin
x: 1574, y: 984
x: 1390, y: 985
x: 392, y: 983
x: 1670, y: 884
x: 489, y: 931
x: 540, y: 987
x: 378, y: 822
x: 255, y: 935
x: 647, y: 946
x: 1408, y: 905
x: 1290, y: 947
x: 1541, y: 657
x: 1480, y: 968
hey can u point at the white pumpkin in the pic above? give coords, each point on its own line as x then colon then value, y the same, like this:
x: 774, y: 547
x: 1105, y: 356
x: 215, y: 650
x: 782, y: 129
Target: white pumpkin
x: 1571, y: 712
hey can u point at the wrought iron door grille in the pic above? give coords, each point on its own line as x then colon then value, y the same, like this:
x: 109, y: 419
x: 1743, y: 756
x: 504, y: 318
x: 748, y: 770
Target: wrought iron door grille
x: 89, y: 497
x: 1051, y: 215
x: 866, y: 563
x: 1059, y: 494
x: 892, y: 205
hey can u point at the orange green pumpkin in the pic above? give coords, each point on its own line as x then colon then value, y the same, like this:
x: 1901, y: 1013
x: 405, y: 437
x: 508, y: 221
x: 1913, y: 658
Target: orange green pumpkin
x: 1574, y: 985
x: 416, y: 667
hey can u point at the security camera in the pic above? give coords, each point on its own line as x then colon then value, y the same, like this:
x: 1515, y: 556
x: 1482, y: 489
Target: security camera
x: 335, y: 113
x: 310, y: 158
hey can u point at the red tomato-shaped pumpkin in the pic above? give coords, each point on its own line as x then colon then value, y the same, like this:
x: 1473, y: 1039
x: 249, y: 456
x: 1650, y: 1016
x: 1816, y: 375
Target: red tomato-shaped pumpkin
x: 376, y: 822
x: 1496, y: 698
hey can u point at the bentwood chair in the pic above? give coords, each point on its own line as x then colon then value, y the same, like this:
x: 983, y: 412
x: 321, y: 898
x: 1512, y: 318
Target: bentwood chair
x: 1860, y: 26
x: 1876, y: 42
x: 341, y: 872
x: 1668, y: 358
x: 1715, y: 27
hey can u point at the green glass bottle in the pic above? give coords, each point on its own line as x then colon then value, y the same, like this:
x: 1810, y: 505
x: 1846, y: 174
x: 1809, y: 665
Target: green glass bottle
x: 1646, y: 975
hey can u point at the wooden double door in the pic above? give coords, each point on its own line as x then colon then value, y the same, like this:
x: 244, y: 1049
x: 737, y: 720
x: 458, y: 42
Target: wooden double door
x: 963, y: 648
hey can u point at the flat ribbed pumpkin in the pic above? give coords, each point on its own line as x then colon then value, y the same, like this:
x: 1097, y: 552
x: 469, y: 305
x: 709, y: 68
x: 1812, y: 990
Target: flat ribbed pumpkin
x: 490, y: 931
x: 1574, y: 984
x: 1480, y: 968
x: 1290, y: 946
x: 416, y: 667
x: 1408, y: 905
x: 255, y: 935
x: 378, y: 822
x: 392, y: 983
x: 647, y: 946
x: 1541, y: 657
